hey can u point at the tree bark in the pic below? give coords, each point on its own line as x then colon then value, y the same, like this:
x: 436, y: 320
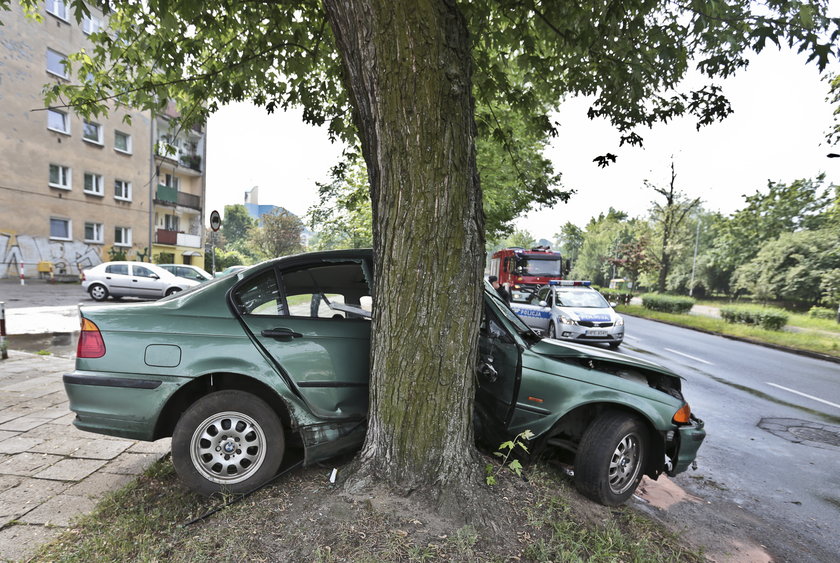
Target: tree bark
x: 408, y: 70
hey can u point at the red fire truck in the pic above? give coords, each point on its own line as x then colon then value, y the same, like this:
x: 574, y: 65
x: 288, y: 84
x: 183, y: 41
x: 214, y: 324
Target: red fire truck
x: 525, y: 270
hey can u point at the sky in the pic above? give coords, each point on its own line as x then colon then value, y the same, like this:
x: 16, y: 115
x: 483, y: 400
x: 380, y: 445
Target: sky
x: 777, y: 132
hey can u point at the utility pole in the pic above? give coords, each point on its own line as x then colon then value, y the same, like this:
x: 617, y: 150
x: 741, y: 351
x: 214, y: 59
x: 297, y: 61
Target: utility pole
x: 694, y: 262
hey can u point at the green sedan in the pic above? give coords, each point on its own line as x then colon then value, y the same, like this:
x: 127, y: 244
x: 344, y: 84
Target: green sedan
x: 238, y: 368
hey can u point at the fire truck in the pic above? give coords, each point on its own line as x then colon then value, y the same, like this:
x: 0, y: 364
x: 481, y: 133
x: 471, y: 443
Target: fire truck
x: 526, y: 270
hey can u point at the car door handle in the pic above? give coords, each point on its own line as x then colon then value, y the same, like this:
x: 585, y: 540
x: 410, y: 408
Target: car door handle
x: 281, y: 333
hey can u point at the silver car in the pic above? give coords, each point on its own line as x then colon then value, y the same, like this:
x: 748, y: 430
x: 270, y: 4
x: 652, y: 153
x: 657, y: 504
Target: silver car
x: 571, y: 310
x: 187, y: 271
x: 131, y: 279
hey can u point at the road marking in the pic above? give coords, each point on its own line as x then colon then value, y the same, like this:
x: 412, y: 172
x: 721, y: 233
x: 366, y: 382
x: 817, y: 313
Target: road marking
x: 689, y: 357
x: 804, y: 395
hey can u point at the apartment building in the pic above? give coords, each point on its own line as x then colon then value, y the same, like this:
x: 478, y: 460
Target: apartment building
x: 76, y: 192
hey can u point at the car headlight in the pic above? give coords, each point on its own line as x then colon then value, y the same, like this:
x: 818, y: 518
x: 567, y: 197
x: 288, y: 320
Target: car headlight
x: 567, y: 320
x: 619, y: 321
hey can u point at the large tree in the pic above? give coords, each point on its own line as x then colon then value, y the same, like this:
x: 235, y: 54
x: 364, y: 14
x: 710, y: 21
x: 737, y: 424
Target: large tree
x: 406, y: 73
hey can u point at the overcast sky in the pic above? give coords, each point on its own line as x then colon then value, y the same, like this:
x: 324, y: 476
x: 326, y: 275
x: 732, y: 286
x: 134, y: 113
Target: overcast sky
x: 777, y: 132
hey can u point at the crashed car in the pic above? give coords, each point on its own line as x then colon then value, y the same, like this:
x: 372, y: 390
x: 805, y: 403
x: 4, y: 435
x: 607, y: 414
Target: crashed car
x: 572, y: 310
x: 238, y: 368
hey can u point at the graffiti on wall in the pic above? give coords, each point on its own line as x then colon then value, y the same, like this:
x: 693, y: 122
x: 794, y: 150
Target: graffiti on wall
x: 67, y: 258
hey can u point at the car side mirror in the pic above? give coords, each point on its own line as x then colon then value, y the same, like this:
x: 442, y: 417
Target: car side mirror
x: 543, y: 304
x: 154, y: 276
x: 613, y: 304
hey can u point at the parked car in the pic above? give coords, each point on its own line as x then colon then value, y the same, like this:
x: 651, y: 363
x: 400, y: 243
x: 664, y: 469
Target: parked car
x: 230, y: 270
x: 571, y: 310
x: 187, y: 271
x: 131, y: 279
x: 238, y: 367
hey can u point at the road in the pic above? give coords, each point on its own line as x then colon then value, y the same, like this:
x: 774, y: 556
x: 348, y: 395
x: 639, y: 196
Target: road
x: 768, y: 468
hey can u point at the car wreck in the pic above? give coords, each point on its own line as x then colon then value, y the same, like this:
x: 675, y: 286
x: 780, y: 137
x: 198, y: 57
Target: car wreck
x: 239, y: 368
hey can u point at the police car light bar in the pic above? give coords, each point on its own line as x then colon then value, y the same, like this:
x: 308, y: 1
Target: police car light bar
x: 570, y: 283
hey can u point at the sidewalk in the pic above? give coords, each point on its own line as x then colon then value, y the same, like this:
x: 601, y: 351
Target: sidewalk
x: 50, y: 472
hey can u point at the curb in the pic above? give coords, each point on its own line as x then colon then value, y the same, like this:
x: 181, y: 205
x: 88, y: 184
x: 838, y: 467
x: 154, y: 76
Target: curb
x: 797, y: 351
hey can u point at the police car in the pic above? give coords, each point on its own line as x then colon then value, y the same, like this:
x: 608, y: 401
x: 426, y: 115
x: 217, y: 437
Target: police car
x: 571, y: 310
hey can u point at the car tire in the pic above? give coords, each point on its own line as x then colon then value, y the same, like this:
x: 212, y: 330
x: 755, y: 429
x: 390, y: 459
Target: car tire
x: 552, y: 331
x: 172, y: 290
x: 209, y: 443
x: 98, y: 292
x: 611, y: 457
x: 614, y: 345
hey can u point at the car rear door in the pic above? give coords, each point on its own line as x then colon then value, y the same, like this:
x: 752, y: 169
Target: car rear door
x: 117, y: 279
x: 313, y: 320
x: 534, y: 315
x: 145, y: 283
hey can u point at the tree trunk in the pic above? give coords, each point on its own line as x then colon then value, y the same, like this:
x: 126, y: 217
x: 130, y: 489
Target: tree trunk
x: 408, y: 70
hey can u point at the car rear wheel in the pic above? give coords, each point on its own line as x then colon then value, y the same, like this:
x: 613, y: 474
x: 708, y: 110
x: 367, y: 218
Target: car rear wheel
x: 98, y: 292
x: 611, y: 457
x: 172, y: 290
x: 552, y: 332
x: 228, y: 441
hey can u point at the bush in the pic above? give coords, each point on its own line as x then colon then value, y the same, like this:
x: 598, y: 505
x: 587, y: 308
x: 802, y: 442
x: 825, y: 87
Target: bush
x: 821, y: 313
x: 766, y: 317
x: 616, y: 296
x: 667, y: 303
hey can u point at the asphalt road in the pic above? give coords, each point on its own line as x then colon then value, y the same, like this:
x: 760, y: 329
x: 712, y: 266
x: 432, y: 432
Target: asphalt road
x: 768, y: 467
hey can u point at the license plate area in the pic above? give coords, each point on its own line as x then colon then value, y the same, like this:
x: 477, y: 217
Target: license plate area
x: 596, y: 333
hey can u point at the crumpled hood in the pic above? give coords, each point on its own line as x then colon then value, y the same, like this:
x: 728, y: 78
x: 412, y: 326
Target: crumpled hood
x: 558, y: 349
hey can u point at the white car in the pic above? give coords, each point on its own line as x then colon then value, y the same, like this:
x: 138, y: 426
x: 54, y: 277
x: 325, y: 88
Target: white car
x: 187, y: 271
x: 131, y: 279
x: 571, y: 310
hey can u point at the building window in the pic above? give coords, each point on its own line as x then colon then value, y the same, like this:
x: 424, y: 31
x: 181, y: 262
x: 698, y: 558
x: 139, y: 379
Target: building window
x: 90, y: 25
x: 60, y: 229
x: 93, y: 184
x: 92, y: 132
x: 57, y: 8
x: 58, y: 121
x: 122, y: 236
x: 93, y: 232
x: 122, y: 142
x: 60, y: 176
x: 122, y: 190
x: 55, y: 63
x: 171, y: 223
x: 172, y: 181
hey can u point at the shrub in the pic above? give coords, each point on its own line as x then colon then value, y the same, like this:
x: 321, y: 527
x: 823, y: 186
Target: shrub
x: 766, y: 317
x: 616, y: 296
x: 667, y: 303
x: 821, y: 313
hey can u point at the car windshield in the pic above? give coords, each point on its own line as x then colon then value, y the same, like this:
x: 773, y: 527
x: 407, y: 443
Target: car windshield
x: 536, y: 267
x: 576, y: 298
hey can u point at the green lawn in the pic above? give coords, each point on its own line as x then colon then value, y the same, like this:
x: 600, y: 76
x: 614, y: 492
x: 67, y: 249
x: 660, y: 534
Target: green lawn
x: 819, y: 335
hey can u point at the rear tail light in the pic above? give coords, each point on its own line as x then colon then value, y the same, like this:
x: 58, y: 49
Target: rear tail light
x: 91, y: 344
x: 683, y: 416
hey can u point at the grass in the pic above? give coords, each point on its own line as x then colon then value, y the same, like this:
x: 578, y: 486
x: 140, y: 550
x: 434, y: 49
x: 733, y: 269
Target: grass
x: 795, y: 319
x: 295, y: 520
x: 810, y: 340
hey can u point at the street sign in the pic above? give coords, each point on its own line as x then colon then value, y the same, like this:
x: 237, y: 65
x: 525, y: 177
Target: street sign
x: 215, y: 221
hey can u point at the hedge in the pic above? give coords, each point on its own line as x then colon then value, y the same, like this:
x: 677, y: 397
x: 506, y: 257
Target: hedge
x: 821, y: 313
x: 616, y: 296
x: 667, y: 303
x: 766, y: 317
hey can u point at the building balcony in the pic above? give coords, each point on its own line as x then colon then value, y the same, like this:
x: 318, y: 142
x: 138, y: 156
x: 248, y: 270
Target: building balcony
x: 166, y: 195
x: 162, y: 236
x: 192, y: 241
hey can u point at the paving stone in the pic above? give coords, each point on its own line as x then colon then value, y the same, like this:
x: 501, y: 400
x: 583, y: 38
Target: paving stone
x: 19, y: 443
x: 28, y: 495
x: 98, y: 484
x: 131, y: 464
x: 52, y: 429
x: 162, y: 446
x: 70, y: 469
x: 20, y: 542
x: 24, y: 423
x: 32, y: 383
x: 27, y: 464
x: 60, y: 510
x: 9, y: 482
x: 66, y: 420
x: 6, y: 434
x: 89, y: 447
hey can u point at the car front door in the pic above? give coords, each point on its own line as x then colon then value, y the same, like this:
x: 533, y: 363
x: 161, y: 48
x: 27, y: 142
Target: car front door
x: 313, y: 320
x: 145, y: 283
x: 499, y: 373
